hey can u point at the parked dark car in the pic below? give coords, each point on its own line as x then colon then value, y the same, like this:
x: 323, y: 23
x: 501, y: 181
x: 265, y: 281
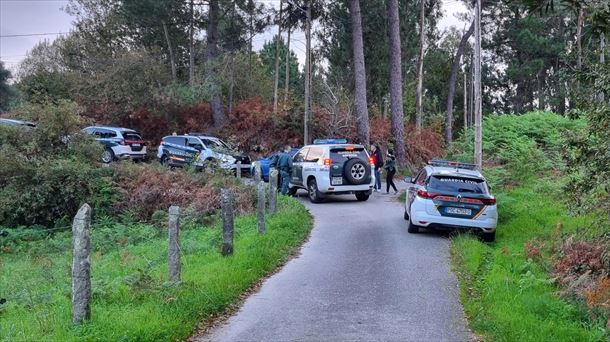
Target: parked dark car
x: 266, y: 162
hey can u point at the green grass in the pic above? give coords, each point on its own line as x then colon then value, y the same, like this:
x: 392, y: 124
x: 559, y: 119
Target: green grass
x: 509, y: 297
x: 131, y: 297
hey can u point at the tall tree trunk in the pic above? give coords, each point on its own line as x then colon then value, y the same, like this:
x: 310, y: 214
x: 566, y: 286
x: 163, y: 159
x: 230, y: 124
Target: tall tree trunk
x: 452, y: 80
x: 362, y: 112
x: 218, y: 114
x: 172, y: 61
x: 251, y: 13
x: 580, y: 23
x: 276, y: 80
x: 306, y: 115
x: 419, y: 110
x: 232, y: 77
x: 192, y: 46
x: 602, y: 60
x: 465, y: 101
x: 398, y: 126
x: 478, y: 113
x: 287, y: 81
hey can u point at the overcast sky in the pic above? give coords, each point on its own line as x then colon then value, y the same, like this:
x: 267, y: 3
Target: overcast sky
x: 46, y: 18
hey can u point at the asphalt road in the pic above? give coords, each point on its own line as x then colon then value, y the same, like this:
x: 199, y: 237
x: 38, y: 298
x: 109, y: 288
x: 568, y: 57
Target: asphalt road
x: 361, y: 276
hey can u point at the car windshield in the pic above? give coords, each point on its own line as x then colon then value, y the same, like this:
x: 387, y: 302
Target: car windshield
x: 215, y: 144
x: 457, y: 185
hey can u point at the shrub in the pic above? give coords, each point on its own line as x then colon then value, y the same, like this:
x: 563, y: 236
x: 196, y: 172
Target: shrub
x: 48, y: 172
x: 147, y: 189
x: 525, y: 145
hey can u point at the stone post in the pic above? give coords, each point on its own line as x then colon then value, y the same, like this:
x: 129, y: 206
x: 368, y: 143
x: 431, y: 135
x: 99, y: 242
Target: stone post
x: 173, y: 253
x: 258, y: 173
x: 81, y: 265
x: 238, y: 169
x: 261, y: 207
x: 273, y: 175
x: 226, y: 204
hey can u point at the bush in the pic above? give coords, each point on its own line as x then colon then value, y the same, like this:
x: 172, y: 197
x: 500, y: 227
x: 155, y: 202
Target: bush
x: 526, y: 146
x: 48, y: 172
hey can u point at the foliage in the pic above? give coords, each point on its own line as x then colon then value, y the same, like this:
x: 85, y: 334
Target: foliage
x: 588, y: 157
x: 525, y: 146
x: 507, y: 295
x: 7, y: 93
x: 48, y: 172
x: 132, y: 299
x: 267, y: 56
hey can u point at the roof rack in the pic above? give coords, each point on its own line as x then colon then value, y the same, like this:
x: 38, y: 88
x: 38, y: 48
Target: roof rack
x: 448, y: 163
x: 329, y: 141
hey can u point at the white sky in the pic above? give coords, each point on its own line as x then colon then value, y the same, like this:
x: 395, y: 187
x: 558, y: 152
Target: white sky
x: 19, y: 17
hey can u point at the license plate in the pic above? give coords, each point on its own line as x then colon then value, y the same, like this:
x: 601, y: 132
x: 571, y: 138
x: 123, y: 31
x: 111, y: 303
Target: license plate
x: 459, y: 211
x: 136, y: 145
x: 337, y: 180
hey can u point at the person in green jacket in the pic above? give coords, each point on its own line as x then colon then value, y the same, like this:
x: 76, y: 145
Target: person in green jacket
x: 390, y: 171
x: 283, y: 162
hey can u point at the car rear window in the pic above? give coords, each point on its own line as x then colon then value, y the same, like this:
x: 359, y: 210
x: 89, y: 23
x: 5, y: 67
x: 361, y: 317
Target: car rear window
x: 175, y: 140
x: 457, y: 184
x: 132, y: 136
x: 343, y: 154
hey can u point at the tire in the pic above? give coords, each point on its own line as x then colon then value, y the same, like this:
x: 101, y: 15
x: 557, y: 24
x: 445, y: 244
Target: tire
x: 406, y: 216
x: 292, y: 191
x: 165, y: 161
x: 488, y: 237
x: 357, y: 171
x: 107, y: 156
x: 413, y: 229
x: 313, y: 192
x: 361, y: 196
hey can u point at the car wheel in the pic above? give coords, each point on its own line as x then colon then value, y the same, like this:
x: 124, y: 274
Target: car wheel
x: 314, y: 193
x: 489, y: 237
x: 165, y: 161
x: 406, y: 216
x: 292, y: 191
x: 107, y: 156
x: 356, y: 171
x: 361, y: 196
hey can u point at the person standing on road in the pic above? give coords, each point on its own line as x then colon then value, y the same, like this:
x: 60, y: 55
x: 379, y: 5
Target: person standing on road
x: 284, y: 165
x: 378, y: 161
x: 390, y: 169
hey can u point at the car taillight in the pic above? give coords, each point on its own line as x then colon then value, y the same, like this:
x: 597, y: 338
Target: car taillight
x: 161, y: 142
x: 327, y: 162
x: 122, y: 142
x: 371, y: 161
x: 488, y: 201
x: 426, y: 194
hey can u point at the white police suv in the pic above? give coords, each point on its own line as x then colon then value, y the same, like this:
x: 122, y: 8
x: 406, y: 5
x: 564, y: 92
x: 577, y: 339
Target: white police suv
x: 449, y: 195
x: 332, y: 167
x: 118, y: 142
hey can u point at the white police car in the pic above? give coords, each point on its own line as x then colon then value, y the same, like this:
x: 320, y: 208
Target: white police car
x: 118, y: 142
x: 332, y: 167
x: 196, y: 149
x: 451, y: 196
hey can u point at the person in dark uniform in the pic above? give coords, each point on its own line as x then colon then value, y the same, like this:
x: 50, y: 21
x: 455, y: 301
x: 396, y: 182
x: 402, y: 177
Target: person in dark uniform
x: 283, y: 162
x: 390, y: 169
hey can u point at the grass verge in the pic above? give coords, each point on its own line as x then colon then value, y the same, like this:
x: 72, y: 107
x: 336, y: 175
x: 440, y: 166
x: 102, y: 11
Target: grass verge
x: 507, y: 295
x: 131, y: 297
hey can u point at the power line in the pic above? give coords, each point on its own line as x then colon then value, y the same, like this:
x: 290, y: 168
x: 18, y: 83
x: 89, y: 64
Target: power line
x: 33, y: 34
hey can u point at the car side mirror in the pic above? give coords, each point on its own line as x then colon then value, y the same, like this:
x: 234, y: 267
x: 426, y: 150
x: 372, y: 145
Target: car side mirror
x: 408, y: 179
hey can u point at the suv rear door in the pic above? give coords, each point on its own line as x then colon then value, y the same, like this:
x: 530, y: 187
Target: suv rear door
x: 339, y: 156
x: 133, y: 140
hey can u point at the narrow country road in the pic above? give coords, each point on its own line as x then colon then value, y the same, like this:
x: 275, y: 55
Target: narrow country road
x: 361, y: 276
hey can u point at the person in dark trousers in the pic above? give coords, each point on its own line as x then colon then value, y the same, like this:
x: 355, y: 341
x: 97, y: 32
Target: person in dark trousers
x: 378, y: 161
x: 283, y: 162
x: 390, y: 169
